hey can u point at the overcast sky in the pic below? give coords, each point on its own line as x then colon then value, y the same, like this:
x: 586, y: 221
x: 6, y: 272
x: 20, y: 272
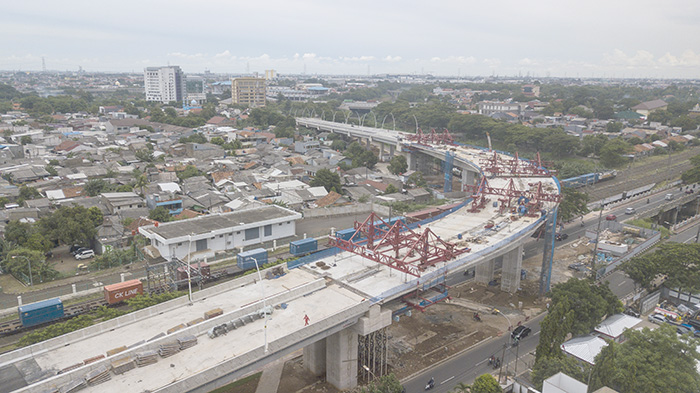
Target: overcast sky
x: 611, y: 38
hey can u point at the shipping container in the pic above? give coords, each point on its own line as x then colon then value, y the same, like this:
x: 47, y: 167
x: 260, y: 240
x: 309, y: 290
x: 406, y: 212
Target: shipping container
x: 41, y: 312
x: 195, y: 268
x: 246, y: 259
x: 119, y: 292
x: 304, y: 246
x: 345, y: 234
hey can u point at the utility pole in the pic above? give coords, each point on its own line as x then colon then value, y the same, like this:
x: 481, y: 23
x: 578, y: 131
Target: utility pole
x: 597, y: 239
x: 503, y: 360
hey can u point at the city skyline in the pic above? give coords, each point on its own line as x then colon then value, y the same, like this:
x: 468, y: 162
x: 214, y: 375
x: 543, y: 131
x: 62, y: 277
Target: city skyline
x: 625, y: 39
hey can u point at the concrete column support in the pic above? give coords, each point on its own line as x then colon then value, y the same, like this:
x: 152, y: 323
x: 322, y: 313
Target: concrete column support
x: 315, y: 357
x: 675, y: 215
x: 510, y: 273
x: 381, y: 151
x: 392, y: 149
x: 341, y: 359
x: 484, y: 271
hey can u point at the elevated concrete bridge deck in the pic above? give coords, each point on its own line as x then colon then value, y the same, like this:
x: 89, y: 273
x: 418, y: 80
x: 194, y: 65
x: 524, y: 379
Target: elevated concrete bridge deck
x: 342, y: 300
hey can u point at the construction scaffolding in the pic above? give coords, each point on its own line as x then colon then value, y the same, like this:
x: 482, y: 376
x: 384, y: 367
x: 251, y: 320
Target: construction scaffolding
x: 372, y: 355
x: 163, y: 277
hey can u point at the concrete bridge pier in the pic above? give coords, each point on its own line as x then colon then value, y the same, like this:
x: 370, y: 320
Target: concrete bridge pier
x: 337, y: 354
x: 483, y: 272
x: 510, y: 273
x: 468, y: 177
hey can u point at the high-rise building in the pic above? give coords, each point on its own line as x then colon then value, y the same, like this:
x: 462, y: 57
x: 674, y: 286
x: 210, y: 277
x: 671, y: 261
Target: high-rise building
x: 164, y: 84
x: 248, y: 91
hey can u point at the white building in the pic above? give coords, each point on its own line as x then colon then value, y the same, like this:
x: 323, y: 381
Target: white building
x: 164, y: 84
x: 221, y: 232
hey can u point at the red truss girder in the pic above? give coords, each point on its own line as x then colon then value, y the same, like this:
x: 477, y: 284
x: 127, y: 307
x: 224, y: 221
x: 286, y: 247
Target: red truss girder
x: 536, y: 197
x: 375, y: 240
x: 514, y: 166
x: 433, y: 138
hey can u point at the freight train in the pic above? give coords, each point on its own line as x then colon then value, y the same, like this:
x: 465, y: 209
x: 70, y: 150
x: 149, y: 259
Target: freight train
x: 588, y: 179
x: 53, y: 310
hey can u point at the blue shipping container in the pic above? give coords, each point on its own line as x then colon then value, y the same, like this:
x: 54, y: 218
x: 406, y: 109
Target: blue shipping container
x: 41, y: 312
x: 246, y: 259
x: 304, y: 246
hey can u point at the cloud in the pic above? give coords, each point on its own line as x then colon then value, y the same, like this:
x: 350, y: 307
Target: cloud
x: 686, y: 59
x: 392, y: 59
x: 641, y: 58
x: 454, y: 60
x: 492, y: 62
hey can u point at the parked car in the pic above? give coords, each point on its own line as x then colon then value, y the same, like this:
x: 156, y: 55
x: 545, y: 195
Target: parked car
x: 631, y: 312
x: 683, y: 330
x: 630, y: 210
x: 85, y: 254
x: 520, y: 332
x: 79, y: 250
x: 689, y: 191
x: 74, y: 248
x: 611, y: 217
x: 657, y: 318
x: 578, y: 266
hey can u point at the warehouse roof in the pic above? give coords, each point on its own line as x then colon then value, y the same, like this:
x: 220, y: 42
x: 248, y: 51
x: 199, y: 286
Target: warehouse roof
x: 213, y: 222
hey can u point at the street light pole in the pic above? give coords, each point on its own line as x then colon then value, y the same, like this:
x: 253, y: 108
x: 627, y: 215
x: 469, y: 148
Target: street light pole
x: 364, y: 366
x: 189, y: 273
x: 31, y: 282
x: 262, y: 290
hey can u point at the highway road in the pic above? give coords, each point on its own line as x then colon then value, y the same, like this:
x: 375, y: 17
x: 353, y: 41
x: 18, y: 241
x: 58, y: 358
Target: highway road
x: 474, y: 361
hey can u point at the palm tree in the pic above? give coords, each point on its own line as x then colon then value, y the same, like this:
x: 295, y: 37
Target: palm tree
x: 462, y: 388
x: 141, y: 182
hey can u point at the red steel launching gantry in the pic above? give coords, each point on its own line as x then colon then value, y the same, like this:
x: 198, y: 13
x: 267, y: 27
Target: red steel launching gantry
x: 433, y: 138
x: 499, y: 166
x: 532, y: 198
x: 397, y: 246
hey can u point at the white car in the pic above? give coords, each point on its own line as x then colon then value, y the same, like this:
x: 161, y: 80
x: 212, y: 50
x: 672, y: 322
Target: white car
x: 657, y: 318
x: 85, y: 254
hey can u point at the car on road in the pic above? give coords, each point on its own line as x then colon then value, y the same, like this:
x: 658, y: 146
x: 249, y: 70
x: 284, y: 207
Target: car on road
x: 684, y: 330
x: 689, y: 191
x: 611, y: 217
x: 630, y: 210
x: 669, y: 197
x: 578, y: 266
x: 85, y: 254
x: 520, y: 332
x: 561, y: 236
x: 657, y: 318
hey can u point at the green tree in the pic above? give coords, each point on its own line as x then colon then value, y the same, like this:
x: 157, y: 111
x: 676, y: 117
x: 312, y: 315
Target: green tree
x: 95, y: 187
x: 51, y: 170
x: 338, y: 145
x: 25, y: 140
x: 611, y: 154
x: 71, y: 225
x: 328, y: 180
x: 649, y: 361
x: 547, y: 366
x: 486, y: 383
x: 416, y: 179
x: 160, y: 214
x: 613, y: 126
x: 144, y: 155
x: 590, y: 303
x: 360, y: 156
x: 27, y: 193
x: 398, y: 164
x: 390, y: 189
x: 385, y: 384
x: 677, y: 262
x: 573, y: 203
x: 189, y: 171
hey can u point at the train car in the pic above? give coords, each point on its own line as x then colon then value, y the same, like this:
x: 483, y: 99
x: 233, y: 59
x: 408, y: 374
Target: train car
x: 345, y: 234
x: 303, y: 246
x: 41, y: 312
x: 246, y: 260
x: 119, y: 292
x: 195, y: 268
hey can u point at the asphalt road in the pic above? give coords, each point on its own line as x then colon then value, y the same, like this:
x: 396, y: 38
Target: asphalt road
x: 474, y: 362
